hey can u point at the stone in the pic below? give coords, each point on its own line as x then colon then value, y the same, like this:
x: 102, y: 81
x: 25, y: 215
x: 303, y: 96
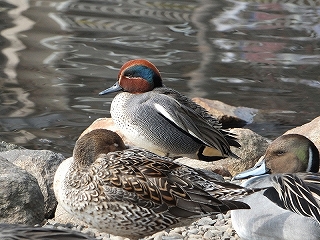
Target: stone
x: 8, y: 146
x: 205, y: 221
x: 252, y: 148
x: 229, y: 116
x: 310, y: 130
x: 106, y: 123
x: 42, y: 164
x: 21, y: 200
x: 208, y: 235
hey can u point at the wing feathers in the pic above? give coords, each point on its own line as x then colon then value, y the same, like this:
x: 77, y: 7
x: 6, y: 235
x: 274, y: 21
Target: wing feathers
x: 297, y: 192
x: 146, y: 179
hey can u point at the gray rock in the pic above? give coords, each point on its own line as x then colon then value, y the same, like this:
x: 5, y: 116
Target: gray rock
x: 42, y: 164
x: 206, y: 221
x: 252, y: 148
x: 21, y: 200
x: 8, y: 146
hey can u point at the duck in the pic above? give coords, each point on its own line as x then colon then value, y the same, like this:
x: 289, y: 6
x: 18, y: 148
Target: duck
x: 280, y: 211
x: 24, y: 232
x: 132, y: 192
x: 162, y: 120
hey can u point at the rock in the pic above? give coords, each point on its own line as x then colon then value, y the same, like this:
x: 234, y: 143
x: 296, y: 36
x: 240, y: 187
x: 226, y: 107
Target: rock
x: 208, y: 235
x: 21, y: 200
x: 310, y: 130
x: 228, y: 115
x: 42, y: 164
x: 8, y: 146
x: 106, y: 123
x: 252, y: 148
x: 206, y: 221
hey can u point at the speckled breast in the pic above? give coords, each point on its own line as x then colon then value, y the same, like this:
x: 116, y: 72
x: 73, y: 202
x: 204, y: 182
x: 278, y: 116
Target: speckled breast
x: 145, y: 127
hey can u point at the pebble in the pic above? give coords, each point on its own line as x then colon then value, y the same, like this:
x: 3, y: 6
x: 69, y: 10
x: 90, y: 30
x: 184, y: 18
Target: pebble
x: 217, y: 227
x: 206, y: 221
x: 208, y: 235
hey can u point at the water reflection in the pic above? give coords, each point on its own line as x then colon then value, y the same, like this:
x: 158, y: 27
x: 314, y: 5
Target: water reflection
x: 57, y: 55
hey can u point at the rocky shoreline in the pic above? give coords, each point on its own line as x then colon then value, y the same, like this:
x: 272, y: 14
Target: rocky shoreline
x: 27, y: 196
x: 216, y: 227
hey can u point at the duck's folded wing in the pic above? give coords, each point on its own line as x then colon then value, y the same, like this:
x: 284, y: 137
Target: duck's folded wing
x: 148, y: 181
x: 299, y: 193
x: 190, y: 122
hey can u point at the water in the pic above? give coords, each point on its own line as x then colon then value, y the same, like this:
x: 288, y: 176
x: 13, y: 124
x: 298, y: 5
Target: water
x: 56, y: 56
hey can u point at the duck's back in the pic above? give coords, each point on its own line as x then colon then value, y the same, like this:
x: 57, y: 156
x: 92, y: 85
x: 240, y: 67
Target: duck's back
x: 139, y: 120
x: 267, y: 221
x: 164, y: 121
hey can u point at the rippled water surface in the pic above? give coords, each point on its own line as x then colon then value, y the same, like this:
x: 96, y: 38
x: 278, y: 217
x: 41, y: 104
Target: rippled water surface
x: 57, y: 55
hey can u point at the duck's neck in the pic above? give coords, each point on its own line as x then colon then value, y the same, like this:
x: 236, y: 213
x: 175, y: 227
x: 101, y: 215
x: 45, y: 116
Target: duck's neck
x: 313, y: 160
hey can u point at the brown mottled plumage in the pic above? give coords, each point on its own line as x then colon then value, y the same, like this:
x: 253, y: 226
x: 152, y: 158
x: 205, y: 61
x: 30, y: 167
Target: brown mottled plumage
x: 135, y: 193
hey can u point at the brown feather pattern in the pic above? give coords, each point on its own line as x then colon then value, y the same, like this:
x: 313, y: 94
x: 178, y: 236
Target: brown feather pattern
x: 136, y: 193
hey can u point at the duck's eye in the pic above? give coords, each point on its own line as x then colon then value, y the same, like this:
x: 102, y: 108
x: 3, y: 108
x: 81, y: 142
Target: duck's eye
x: 280, y: 152
x: 129, y: 75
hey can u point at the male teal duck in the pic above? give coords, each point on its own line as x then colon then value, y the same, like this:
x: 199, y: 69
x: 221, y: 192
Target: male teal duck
x: 162, y: 120
x: 22, y: 232
x: 289, y: 208
x: 135, y: 193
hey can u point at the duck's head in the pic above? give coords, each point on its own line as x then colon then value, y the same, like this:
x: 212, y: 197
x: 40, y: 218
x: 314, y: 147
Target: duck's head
x: 290, y: 153
x: 99, y: 141
x: 136, y: 76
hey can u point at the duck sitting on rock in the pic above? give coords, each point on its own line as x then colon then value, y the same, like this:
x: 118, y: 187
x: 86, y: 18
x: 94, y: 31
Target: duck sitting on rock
x: 289, y: 207
x: 163, y: 120
x: 134, y: 193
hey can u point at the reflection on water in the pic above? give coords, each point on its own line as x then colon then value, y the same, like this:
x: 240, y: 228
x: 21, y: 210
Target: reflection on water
x: 57, y: 55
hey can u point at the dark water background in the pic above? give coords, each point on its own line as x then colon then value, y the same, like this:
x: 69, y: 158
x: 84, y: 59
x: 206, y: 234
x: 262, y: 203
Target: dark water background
x: 57, y: 55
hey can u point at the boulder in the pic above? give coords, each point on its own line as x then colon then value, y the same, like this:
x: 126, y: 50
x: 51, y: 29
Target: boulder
x: 8, y: 146
x: 42, y: 164
x: 106, y: 123
x: 252, y: 148
x: 310, y: 130
x: 21, y: 200
x: 229, y: 116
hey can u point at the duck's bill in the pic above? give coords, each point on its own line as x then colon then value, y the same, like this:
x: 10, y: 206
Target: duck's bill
x: 115, y: 88
x: 259, y: 169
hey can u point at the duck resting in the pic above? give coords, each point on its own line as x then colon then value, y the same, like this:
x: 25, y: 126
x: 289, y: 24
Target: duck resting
x: 162, y: 120
x: 135, y: 193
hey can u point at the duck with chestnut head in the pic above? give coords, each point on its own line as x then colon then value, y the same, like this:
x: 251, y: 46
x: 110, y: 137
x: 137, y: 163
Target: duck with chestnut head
x: 163, y: 120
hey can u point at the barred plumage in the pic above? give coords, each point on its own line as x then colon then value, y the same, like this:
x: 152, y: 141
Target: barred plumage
x: 299, y: 193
